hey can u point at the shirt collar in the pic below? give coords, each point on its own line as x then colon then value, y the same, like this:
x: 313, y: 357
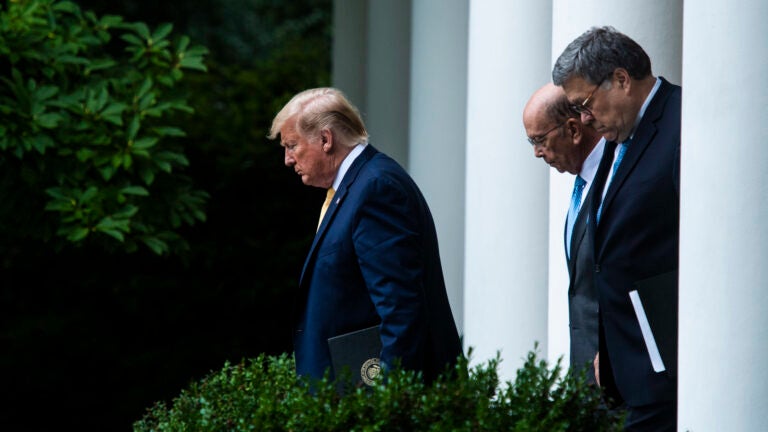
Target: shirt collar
x: 645, y: 106
x: 346, y: 163
x: 589, y: 167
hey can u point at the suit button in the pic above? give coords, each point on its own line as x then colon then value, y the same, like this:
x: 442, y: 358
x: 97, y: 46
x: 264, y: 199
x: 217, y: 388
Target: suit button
x: 597, y: 268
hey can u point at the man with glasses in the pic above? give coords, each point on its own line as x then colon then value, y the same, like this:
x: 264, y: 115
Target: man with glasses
x: 634, y: 221
x: 570, y: 146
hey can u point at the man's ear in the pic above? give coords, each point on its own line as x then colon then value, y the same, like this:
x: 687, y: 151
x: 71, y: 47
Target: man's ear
x: 574, y: 128
x: 622, y: 79
x: 326, y: 136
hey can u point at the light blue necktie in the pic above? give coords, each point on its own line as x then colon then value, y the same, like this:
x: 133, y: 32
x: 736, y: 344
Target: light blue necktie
x: 622, y: 149
x: 573, y: 211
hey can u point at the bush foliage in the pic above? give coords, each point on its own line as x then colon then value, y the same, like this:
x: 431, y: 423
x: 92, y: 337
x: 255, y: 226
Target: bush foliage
x: 86, y: 130
x: 264, y: 394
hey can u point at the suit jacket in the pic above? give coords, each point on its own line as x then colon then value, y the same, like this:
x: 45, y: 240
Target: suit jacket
x: 375, y: 259
x: 582, y: 297
x: 636, y: 238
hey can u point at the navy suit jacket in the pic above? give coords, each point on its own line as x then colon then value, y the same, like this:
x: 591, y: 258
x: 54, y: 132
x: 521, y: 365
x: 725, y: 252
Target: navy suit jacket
x: 375, y: 260
x: 636, y: 238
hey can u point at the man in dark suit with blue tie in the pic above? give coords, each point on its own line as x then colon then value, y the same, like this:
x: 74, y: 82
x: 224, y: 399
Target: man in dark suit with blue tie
x: 634, y: 220
x: 558, y: 136
x: 374, y: 260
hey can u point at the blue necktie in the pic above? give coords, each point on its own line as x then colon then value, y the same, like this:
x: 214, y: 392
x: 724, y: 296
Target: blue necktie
x: 573, y: 211
x: 622, y: 149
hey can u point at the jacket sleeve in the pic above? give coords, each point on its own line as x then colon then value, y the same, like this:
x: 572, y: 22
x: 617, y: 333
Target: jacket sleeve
x: 387, y: 240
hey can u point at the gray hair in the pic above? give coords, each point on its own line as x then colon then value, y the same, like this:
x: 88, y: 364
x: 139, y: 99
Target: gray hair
x: 322, y: 108
x: 595, y: 54
x: 559, y: 110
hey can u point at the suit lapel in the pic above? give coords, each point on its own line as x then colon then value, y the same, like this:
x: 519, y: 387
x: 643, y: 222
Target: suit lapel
x: 579, y: 230
x: 644, y: 134
x: 338, y: 199
x: 599, y: 185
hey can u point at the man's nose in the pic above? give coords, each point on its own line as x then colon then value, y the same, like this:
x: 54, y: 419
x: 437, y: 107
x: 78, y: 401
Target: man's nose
x: 586, y: 117
x: 289, y: 161
x: 538, y: 151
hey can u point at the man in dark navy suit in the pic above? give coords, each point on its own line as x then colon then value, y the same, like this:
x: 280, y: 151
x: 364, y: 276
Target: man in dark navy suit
x: 374, y: 259
x: 558, y: 136
x: 634, y: 220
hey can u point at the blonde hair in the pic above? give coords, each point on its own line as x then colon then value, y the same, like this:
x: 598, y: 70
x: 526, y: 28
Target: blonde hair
x: 322, y: 108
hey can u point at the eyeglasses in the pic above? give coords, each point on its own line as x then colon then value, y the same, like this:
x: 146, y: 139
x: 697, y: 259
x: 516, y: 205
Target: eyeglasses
x: 540, y: 139
x: 582, y: 108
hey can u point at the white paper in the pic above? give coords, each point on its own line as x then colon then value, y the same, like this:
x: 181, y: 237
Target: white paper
x: 645, y: 328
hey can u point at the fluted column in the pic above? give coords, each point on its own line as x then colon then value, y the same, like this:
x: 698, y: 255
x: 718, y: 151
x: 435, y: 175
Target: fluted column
x: 438, y: 107
x: 505, y: 297
x: 723, y: 380
x: 371, y: 64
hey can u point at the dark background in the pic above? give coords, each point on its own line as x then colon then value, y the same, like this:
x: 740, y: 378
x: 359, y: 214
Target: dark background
x: 91, y: 339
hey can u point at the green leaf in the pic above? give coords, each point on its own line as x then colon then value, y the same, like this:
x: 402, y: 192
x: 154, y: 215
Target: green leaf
x: 195, y: 63
x: 145, y: 87
x: 84, y: 154
x: 110, y: 20
x: 58, y: 193
x: 169, y: 131
x: 101, y: 99
x: 59, y: 205
x: 108, y: 222
x: 172, y: 157
x: 183, y: 43
x: 46, y: 92
x: 147, y: 175
x: 142, y: 30
x: 89, y: 194
x: 162, y: 31
x: 163, y: 165
x: 70, y: 59
x: 48, y: 121
x: 99, y: 65
x: 65, y: 6
x: 145, y: 143
x: 113, y: 233
x: 133, y: 127
x: 41, y: 142
x: 127, y: 160
x: 132, y: 39
x: 107, y: 171
x: 114, y: 108
x: 146, y: 101
x: 115, y: 120
x: 134, y: 190
x: 158, y: 246
x: 126, y: 212
x: 77, y: 234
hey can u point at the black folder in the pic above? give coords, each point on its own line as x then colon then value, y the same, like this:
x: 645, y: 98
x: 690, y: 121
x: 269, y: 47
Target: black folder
x: 355, y: 355
x: 659, y: 297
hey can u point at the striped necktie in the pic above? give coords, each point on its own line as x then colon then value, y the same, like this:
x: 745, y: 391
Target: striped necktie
x: 622, y: 149
x: 573, y: 211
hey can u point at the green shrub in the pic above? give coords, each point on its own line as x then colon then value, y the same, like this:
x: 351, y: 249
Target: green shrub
x: 263, y: 394
x: 87, y: 105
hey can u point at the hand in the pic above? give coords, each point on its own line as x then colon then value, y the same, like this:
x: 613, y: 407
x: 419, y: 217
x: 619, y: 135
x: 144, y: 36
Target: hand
x: 596, y: 364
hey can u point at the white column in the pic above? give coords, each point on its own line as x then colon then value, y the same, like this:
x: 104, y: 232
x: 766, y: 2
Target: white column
x: 505, y: 297
x: 388, y: 77
x: 723, y: 350
x: 657, y: 26
x: 350, y: 50
x: 438, y: 109
x: 371, y: 65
